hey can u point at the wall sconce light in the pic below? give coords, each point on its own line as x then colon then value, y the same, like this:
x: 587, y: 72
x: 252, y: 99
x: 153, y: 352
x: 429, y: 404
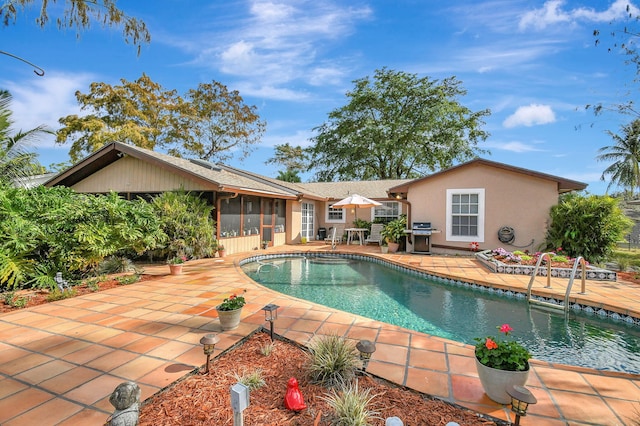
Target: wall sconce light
x: 208, y: 343
x: 521, y: 398
x: 270, y: 315
x: 366, y: 349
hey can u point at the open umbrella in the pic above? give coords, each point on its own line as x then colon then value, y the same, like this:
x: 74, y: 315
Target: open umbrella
x: 356, y: 201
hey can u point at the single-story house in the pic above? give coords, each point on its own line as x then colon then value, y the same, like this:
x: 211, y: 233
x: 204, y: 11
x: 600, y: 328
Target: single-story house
x: 250, y: 208
x: 484, y: 202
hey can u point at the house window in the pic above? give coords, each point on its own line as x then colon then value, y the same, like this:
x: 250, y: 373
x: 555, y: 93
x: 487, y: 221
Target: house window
x: 335, y: 215
x: 465, y: 215
x: 388, y: 211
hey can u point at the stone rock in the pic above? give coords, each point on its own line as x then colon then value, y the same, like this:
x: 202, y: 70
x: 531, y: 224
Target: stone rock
x: 393, y: 421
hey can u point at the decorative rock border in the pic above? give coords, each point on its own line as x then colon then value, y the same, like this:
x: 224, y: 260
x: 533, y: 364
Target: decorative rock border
x: 499, y: 267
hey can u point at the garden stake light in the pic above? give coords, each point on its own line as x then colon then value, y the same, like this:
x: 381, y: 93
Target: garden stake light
x: 208, y: 343
x: 366, y: 349
x: 270, y: 315
x: 521, y: 397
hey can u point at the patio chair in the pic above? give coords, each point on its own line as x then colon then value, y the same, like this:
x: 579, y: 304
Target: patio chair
x: 374, y: 235
x: 334, y: 235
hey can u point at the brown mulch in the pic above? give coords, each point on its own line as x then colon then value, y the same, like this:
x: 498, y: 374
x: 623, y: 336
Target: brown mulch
x: 204, y: 399
x: 39, y: 297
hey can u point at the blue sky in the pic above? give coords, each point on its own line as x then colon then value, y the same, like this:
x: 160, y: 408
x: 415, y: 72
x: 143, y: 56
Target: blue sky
x: 534, y: 64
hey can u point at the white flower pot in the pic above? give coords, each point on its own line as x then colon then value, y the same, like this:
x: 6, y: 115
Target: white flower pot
x: 496, y: 382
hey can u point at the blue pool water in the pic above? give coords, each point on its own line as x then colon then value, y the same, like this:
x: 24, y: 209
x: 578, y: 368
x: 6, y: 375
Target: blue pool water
x: 397, y: 297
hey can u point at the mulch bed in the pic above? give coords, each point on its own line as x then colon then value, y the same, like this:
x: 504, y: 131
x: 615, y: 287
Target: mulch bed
x: 204, y: 399
x: 39, y: 297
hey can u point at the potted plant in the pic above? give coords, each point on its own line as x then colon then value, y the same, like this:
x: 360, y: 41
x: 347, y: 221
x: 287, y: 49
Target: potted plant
x: 229, y: 311
x: 175, y: 264
x: 265, y: 244
x: 501, y: 363
x: 393, y: 233
x: 384, y: 247
x: 221, y: 250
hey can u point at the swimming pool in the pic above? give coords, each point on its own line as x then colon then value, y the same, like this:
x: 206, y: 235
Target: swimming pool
x: 397, y: 297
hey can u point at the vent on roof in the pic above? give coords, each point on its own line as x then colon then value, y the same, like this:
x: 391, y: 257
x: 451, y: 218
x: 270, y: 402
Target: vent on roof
x: 206, y: 164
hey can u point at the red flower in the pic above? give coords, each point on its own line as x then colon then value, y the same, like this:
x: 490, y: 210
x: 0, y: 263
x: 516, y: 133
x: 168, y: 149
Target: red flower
x: 490, y: 344
x: 505, y: 328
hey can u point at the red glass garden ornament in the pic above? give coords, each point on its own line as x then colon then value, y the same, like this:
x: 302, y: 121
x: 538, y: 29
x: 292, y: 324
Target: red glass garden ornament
x: 293, y: 398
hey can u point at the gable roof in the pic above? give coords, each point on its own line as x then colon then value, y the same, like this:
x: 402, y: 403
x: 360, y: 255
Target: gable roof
x: 220, y: 177
x: 217, y: 177
x: 564, y: 185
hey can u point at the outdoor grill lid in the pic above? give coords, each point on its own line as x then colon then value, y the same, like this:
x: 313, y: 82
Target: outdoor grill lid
x: 421, y: 225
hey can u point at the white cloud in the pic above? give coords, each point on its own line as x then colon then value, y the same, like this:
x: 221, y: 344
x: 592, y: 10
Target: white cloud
x: 280, y: 42
x: 530, y: 115
x: 552, y: 13
x: 513, y: 146
x: 43, y: 100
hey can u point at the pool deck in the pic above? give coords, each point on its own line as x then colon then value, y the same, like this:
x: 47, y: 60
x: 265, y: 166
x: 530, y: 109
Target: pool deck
x: 60, y: 362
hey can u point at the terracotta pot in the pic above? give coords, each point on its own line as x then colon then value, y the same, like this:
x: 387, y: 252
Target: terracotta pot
x: 495, y: 381
x: 221, y: 253
x: 175, y: 269
x: 229, y: 319
x: 393, y: 247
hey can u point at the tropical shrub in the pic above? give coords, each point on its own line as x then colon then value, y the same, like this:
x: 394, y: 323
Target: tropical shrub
x: 587, y: 226
x: 187, y: 221
x: 48, y: 230
x: 394, y: 230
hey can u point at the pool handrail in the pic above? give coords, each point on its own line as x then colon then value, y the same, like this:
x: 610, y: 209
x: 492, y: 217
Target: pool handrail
x: 578, y: 261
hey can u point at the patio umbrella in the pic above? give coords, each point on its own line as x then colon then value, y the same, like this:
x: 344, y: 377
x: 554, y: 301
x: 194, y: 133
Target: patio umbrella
x: 356, y: 201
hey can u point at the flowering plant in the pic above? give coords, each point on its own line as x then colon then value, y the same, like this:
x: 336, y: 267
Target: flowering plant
x: 502, y: 354
x: 474, y: 246
x: 232, y: 303
x: 177, y: 260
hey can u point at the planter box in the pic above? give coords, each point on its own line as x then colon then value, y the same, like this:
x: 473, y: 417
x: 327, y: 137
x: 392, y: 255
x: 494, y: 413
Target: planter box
x: 499, y: 267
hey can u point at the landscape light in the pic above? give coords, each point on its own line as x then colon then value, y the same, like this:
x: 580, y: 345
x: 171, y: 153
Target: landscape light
x: 521, y: 398
x: 270, y: 315
x: 208, y: 343
x: 366, y: 349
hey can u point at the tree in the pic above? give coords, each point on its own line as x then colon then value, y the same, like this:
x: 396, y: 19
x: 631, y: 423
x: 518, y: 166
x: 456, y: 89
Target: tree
x: 288, y: 176
x: 625, y: 155
x: 293, y: 158
x: 212, y: 122
x: 587, y: 226
x: 16, y: 161
x: 396, y: 126
x: 79, y: 14
x: 220, y: 123
x: 140, y: 113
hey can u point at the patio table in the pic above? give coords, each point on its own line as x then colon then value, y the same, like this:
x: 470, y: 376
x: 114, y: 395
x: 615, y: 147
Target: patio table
x: 355, y: 231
